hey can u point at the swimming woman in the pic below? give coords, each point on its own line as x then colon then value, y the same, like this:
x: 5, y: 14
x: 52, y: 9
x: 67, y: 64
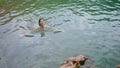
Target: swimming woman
x: 43, y: 26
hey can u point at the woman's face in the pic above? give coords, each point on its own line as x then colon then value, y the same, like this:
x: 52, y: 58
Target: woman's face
x: 42, y: 23
x: 80, y: 58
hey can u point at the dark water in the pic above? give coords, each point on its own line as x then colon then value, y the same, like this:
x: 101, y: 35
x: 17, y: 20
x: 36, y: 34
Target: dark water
x: 92, y: 28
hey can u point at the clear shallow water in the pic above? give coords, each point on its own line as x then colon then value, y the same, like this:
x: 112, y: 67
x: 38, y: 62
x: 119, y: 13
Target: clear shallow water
x: 92, y: 28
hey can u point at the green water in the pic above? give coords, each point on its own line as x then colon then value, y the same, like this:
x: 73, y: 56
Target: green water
x: 92, y: 28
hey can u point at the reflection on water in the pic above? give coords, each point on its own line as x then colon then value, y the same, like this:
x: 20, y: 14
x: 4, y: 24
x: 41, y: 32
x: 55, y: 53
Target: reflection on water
x: 42, y: 33
x: 92, y: 28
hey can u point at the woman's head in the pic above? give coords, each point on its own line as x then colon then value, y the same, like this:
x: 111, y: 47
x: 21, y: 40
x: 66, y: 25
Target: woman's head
x: 41, y: 23
x: 81, y: 59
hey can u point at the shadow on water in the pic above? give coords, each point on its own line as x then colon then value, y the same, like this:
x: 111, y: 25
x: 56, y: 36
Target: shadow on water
x: 91, y: 28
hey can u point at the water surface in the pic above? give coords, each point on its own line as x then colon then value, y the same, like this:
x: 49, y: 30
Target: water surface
x: 92, y: 28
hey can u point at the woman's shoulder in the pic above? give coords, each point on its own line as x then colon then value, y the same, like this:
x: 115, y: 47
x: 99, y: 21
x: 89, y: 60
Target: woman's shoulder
x: 37, y: 28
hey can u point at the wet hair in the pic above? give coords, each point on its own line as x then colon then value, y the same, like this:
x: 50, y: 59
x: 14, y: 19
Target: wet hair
x: 74, y: 62
x: 39, y: 21
x: 83, y: 62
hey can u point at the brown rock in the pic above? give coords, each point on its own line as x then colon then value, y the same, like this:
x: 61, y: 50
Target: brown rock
x: 117, y: 66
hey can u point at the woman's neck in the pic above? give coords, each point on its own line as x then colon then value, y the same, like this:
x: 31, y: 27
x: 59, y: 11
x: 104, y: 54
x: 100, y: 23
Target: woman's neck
x: 42, y: 26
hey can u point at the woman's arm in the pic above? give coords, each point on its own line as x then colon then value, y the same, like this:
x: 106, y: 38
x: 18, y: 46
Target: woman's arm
x: 55, y: 30
x: 36, y: 28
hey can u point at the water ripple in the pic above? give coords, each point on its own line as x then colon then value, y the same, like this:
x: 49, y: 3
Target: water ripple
x: 91, y: 27
x: 92, y: 7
